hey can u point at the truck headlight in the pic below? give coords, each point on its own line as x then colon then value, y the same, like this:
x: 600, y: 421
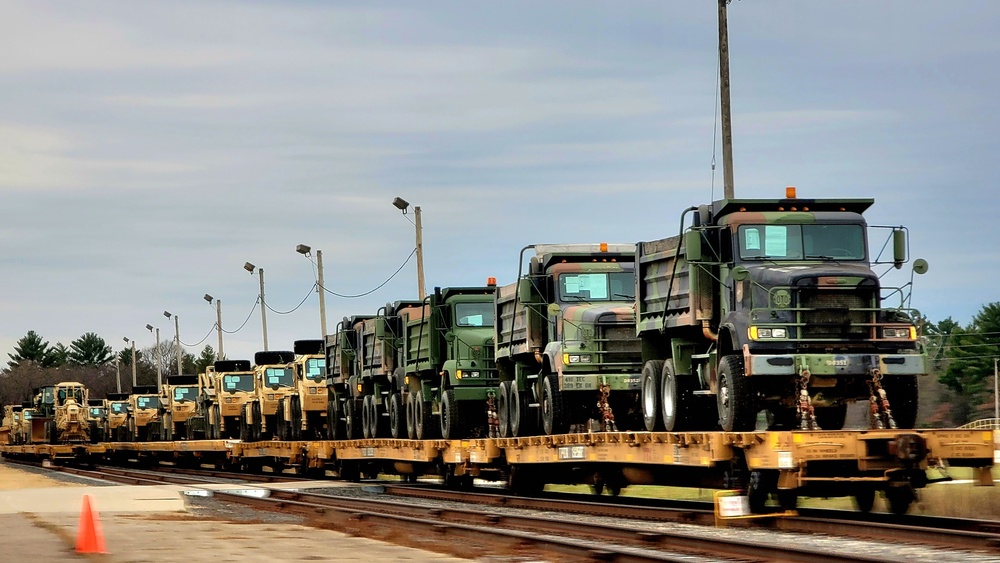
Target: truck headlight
x: 577, y: 358
x: 908, y: 333
x: 760, y: 333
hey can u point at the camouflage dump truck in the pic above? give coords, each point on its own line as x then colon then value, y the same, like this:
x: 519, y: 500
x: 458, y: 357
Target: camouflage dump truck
x: 565, y: 341
x: 179, y: 403
x: 303, y: 411
x: 97, y: 418
x: 144, y: 421
x: 116, y: 422
x: 229, y: 389
x: 448, y: 363
x: 273, y: 379
x: 773, y: 305
x: 380, y: 377
x: 344, y: 396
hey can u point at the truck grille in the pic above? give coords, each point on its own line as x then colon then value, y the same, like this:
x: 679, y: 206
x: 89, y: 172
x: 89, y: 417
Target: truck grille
x: 837, y: 314
x: 620, y: 347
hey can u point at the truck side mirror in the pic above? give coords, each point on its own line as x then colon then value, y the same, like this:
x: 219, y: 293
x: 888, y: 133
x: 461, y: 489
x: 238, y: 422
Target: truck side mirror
x: 692, y: 246
x: 380, y: 327
x: 920, y: 266
x: 739, y: 273
x: 554, y: 310
x: 898, y: 248
x: 449, y: 337
x: 524, y: 290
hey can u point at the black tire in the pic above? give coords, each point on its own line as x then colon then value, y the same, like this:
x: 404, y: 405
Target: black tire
x: 521, y: 421
x: 397, y: 416
x: 553, y: 414
x: 864, y: 498
x: 411, y: 421
x: 257, y: 426
x: 422, y: 417
x: 678, y: 401
x: 736, y: 400
x: 295, y: 426
x: 451, y: 417
x: 649, y: 395
x: 366, y: 417
x: 280, y: 428
x: 217, y: 425
x: 51, y: 433
x: 351, y: 420
x: 332, y: 418
x: 788, y: 499
x: 901, y: 391
x: 831, y: 418
x: 244, y: 429
x: 503, y: 409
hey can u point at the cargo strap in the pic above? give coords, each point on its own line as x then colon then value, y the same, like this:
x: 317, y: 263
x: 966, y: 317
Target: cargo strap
x: 879, y: 413
x: 492, y: 418
x: 604, y: 407
x: 805, y: 413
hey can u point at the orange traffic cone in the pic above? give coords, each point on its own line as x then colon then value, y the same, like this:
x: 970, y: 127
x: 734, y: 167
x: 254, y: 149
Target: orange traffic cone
x: 89, y: 538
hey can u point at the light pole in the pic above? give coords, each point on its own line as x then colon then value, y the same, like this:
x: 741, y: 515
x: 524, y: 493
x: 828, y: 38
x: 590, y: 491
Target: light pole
x: 305, y: 250
x: 125, y: 338
x: 401, y: 204
x: 218, y: 321
x: 177, y: 341
x: 118, y: 372
x: 263, y: 306
x: 159, y: 359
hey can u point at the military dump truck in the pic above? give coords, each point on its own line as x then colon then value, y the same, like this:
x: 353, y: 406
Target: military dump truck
x: 116, y: 421
x: 302, y: 412
x: 228, y: 386
x: 565, y: 341
x: 144, y: 421
x: 273, y: 379
x: 380, y: 377
x: 178, y: 403
x: 773, y: 305
x: 97, y: 418
x: 448, y: 361
x: 344, y: 396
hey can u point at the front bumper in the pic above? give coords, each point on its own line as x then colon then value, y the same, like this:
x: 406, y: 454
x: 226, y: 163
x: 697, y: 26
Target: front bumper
x: 835, y: 365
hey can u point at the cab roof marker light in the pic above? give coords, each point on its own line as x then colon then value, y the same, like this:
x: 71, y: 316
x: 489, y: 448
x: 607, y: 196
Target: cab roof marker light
x: 790, y: 192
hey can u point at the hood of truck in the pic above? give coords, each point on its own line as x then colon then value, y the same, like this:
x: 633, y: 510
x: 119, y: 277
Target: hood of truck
x: 611, y: 313
x: 832, y: 274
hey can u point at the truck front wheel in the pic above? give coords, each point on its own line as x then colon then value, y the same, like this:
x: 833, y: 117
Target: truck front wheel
x: 553, y: 413
x: 737, y: 404
x: 397, y: 416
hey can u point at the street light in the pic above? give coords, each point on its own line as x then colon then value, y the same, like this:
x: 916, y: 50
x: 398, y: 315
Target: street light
x: 177, y: 341
x: 218, y: 321
x: 159, y: 357
x: 125, y: 338
x: 306, y: 251
x: 263, y: 306
x: 402, y: 205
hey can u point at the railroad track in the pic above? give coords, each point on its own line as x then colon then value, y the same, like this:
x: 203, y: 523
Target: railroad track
x: 558, y: 535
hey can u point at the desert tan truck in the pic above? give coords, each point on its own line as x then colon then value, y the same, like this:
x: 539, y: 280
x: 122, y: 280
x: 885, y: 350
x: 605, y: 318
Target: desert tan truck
x: 69, y: 418
x: 179, y: 400
x: 273, y: 381
x: 116, y: 422
x: 302, y: 412
x: 144, y: 422
x: 97, y: 418
x: 229, y: 388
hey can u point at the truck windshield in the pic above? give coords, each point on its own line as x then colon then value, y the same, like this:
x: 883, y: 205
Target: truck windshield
x: 49, y: 395
x: 26, y: 415
x: 184, y: 394
x: 602, y: 286
x: 802, y: 242
x: 97, y: 412
x: 235, y: 383
x: 147, y: 402
x: 316, y: 369
x: 119, y: 408
x: 474, y: 314
x: 281, y: 377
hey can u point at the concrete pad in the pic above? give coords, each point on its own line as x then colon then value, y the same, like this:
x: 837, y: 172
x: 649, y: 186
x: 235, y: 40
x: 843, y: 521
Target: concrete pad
x: 29, y: 538
x: 103, y: 499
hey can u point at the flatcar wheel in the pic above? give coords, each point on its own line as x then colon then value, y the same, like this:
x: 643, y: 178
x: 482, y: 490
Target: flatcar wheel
x: 503, y: 409
x: 397, y: 416
x: 899, y: 499
x: 760, y: 485
x: 788, y: 498
x: 649, y: 395
x: 864, y: 498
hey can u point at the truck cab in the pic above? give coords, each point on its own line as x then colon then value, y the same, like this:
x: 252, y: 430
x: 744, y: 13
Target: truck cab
x: 273, y: 380
x: 145, y: 423
x: 232, y: 388
x: 303, y: 410
x: 116, y: 422
x: 179, y: 398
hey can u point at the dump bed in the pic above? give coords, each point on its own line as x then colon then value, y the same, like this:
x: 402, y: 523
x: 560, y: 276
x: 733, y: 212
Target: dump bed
x: 662, y: 274
x: 520, y: 327
x: 421, y: 341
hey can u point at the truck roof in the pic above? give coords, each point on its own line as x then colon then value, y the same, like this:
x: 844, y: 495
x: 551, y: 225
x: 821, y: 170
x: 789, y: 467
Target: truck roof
x: 727, y: 206
x: 546, y: 254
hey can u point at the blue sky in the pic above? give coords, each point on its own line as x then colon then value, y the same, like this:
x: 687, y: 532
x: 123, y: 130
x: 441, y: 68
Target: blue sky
x: 148, y: 150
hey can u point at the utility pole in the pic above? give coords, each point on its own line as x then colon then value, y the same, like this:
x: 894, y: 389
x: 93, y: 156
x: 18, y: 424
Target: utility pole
x: 218, y: 322
x: 118, y: 372
x: 420, y: 253
x: 996, y: 398
x: 263, y: 307
x: 322, y: 293
x: 727, y: 123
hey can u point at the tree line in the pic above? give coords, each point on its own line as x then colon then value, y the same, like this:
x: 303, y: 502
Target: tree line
x: 90, y: 360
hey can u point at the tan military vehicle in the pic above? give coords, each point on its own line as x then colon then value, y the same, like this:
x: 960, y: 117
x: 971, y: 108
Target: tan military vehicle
x: 70, y: 420
x: 97, y: 418
x: 302, y: 412
x: 273, y: 381
x: 116, y: 421
x: 228, y: 386
x: 144, y: 422
x: 179, y: 400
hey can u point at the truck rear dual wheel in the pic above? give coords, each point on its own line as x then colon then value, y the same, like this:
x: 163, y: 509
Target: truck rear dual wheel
x: 649, y: 395
x: 368, y: 417
x: 332, y: 418
x: 503, y: 409
x: 736, y: 401
x: 521, y: 421
x: 397, y: 416
x: 351, y: 420
x: 422, y: 417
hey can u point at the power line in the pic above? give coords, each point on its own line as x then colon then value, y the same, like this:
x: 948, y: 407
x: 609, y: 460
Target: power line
x: 405, y: 262
x: 200, y: 342
x: 297, y: 306
x: 245, y: 321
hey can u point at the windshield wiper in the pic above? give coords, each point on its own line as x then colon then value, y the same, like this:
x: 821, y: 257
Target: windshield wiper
x: 822, y: 257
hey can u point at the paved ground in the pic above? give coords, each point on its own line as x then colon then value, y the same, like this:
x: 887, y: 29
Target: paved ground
x: 39, y: 517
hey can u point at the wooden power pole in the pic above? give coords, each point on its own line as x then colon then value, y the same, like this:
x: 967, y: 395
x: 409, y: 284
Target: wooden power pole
x: 727, y: 122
